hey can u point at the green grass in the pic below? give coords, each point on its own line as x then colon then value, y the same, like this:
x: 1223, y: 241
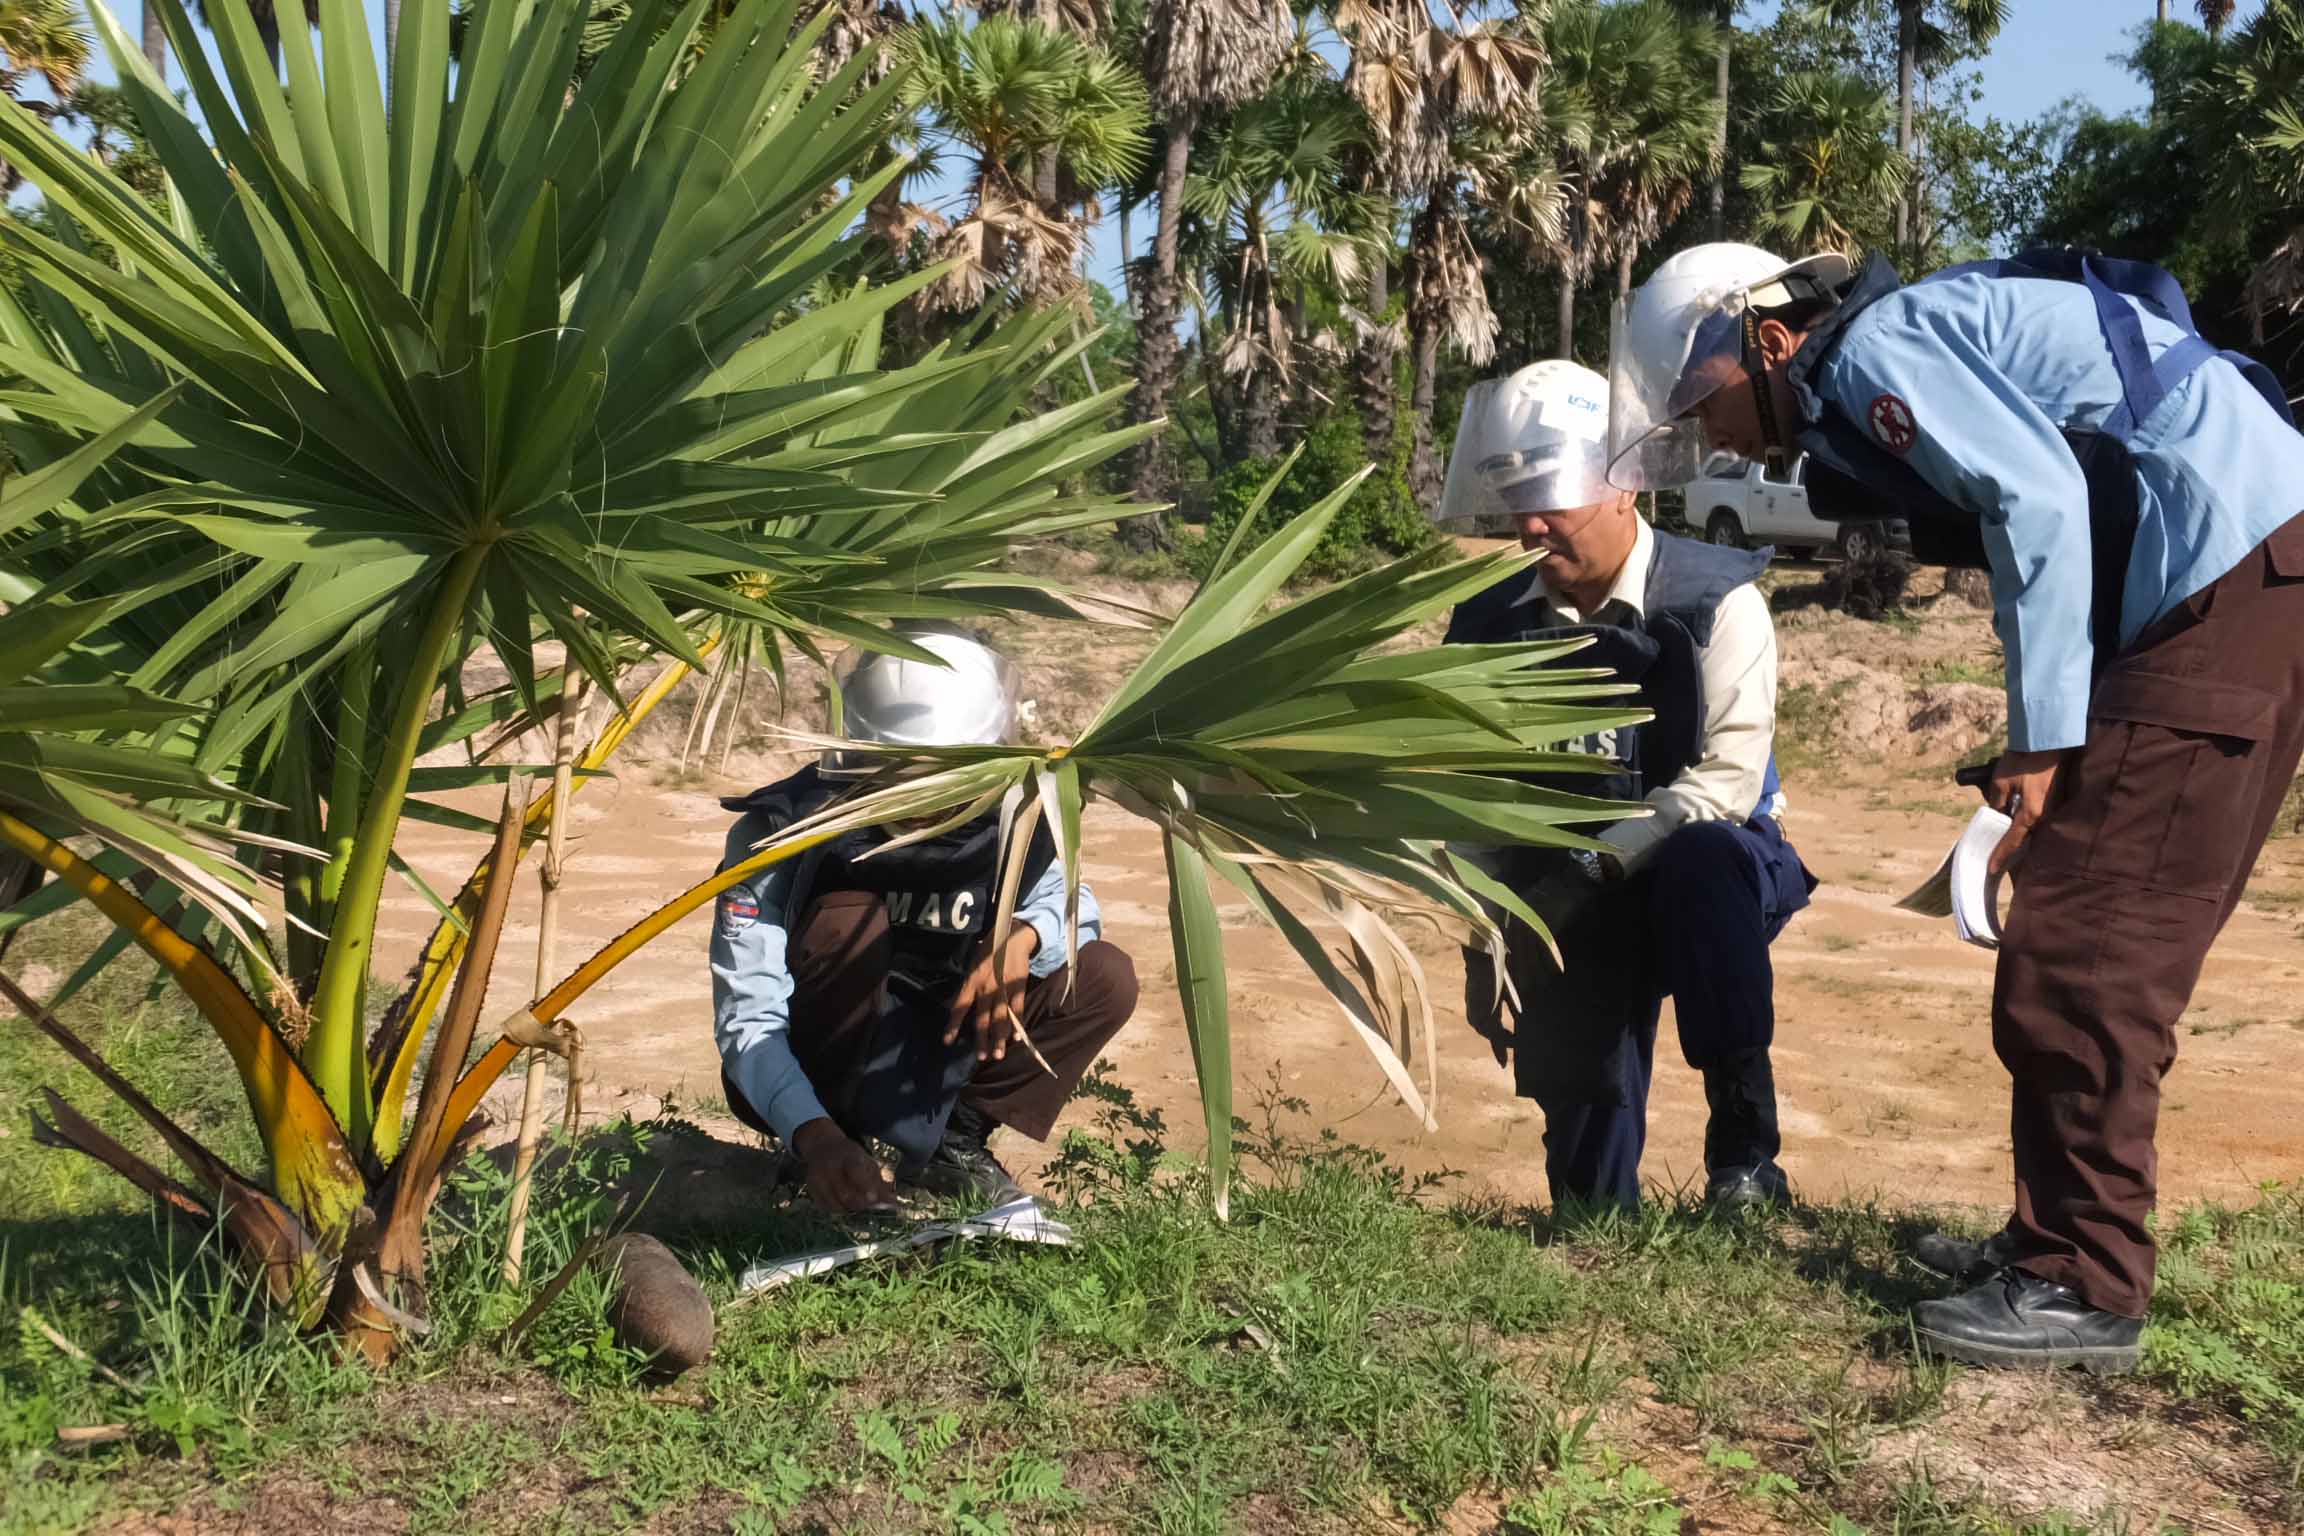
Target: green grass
x: 1355, y: 1350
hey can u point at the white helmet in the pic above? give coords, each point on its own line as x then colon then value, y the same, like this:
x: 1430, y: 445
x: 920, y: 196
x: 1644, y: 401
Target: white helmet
x: 1536, y: 441
x: 1678, y: 338
x: 969, y: 701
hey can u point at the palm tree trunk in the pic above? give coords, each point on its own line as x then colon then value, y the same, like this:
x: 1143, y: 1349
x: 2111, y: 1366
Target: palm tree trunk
x: 155, y: 40
x: 1572, y: 271
x: 1158, y: 354
x: 1624, y: 271
x: 1424, y: 466
x: 391, y: 30
x: 1374, y: 374
x: 1720, y: 134
x: 1907, y: 61
x: 2163, y: 13
x: 1127, y: 255
x: 1567, y: 331
x: 1426, y: 313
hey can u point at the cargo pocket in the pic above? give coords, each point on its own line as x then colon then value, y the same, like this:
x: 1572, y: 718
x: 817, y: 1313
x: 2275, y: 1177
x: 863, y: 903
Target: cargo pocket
x: 2166, y: 792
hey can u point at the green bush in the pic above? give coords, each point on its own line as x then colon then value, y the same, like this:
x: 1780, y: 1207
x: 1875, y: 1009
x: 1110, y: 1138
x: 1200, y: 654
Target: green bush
x: 1380, y: 522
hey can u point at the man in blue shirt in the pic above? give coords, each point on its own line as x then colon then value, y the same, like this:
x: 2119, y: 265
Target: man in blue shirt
x: 854, y: 989
x: 2135, y: 497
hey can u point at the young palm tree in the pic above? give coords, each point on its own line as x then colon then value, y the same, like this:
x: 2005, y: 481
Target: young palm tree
x: 1200, y: 55
x: 1826, y: 176
x: 1280, y: 216
x: 1016, y: 96
x: 45, y: 39
x: 507, y: 362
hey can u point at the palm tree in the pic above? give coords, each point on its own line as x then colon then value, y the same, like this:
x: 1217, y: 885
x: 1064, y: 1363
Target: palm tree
x: 2215, y: 15
x: 1279, y: 215
x: 1631, y: 124
x: 1199, y: 55
x: 1826, y: 177
x: 156, y: 38
x: 1427, y: 88
x: 1017, y: 96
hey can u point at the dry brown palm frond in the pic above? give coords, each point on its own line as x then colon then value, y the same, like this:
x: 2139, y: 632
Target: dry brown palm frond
x: 1203, y: 53
x: 1007, y: 243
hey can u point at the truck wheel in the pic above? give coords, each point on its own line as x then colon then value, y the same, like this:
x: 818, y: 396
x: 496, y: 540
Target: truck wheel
x: 1859, y: 542
x: 1724, y: 531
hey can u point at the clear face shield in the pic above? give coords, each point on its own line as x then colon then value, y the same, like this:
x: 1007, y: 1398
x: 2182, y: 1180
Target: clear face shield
x: 1522, y: 449
x: 971, y: 700
x: 1656, y: 382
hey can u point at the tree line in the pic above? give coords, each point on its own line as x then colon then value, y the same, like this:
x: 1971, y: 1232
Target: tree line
x: 1357, y: 208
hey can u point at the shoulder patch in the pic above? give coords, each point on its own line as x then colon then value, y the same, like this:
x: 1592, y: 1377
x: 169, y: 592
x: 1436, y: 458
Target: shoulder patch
x: 1892, y: 424
x: 738, y: 910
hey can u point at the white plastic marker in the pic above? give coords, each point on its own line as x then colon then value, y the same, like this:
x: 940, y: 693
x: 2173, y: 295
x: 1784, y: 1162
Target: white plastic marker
x: 1019, y: 1221
x: 1963, y: 887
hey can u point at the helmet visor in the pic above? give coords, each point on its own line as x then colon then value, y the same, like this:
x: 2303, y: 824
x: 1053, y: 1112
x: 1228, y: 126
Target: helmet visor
x: 1656, y: 383
x: 1515, y: 453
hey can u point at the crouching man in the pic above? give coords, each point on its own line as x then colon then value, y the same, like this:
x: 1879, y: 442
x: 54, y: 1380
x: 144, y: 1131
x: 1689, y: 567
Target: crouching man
x: 857, y: 998
x: 1686, y: 901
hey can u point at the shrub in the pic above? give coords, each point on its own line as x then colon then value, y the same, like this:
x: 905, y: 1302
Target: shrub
x: 1381, y: 520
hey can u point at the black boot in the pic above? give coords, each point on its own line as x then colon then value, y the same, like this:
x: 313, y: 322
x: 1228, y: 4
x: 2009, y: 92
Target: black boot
x: 1963, y: 1259
x: 2017, y: 1319
x: 1741, y: 1139
x: 1747, y: 1189
x: 962, y: 1167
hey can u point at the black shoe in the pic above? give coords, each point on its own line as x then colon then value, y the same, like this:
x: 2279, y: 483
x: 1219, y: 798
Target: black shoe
x: 2016, y: 1319
x: 962, y: 1168
x: 1751, y: 1188
x: 1964, y: 1259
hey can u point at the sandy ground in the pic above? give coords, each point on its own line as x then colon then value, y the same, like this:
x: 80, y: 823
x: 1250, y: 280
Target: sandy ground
x: 1884, y: 1060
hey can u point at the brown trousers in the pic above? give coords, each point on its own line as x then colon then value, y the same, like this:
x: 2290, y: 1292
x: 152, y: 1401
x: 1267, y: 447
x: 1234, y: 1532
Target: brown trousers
x: 840, y: 1012
x: 2194, y: 736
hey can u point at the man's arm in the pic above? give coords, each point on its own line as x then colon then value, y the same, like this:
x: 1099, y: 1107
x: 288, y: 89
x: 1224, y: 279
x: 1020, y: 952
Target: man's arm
x: 1980, y: 441
x: 1739, y: 669
x: 1043, y: 908
x: 752, y: 994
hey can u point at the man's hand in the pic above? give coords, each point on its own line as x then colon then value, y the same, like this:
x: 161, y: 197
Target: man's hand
x: 986, y: 1003
x: 2023, y: 787
x: 842, y: 1176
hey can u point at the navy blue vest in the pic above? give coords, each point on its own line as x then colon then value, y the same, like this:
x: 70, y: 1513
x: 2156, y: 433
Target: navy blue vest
x: 1658, y: 652
x: 939, y: 893
x: 1851, y: 477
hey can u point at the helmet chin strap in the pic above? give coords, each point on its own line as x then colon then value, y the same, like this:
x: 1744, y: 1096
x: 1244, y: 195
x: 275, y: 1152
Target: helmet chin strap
x: 1778, y: 452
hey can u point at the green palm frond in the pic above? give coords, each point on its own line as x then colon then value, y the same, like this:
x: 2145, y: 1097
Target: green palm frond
x: 1328, y: 800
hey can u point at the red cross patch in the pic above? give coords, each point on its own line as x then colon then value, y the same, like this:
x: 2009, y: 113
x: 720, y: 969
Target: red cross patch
x: 1892, y: 424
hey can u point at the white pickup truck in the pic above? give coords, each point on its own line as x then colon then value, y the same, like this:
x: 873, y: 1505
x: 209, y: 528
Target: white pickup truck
x: 1753, y: 507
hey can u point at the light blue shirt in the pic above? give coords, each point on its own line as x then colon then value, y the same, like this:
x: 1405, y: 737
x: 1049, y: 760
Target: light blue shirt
x: 1989, y: 370
x: 752, y: 982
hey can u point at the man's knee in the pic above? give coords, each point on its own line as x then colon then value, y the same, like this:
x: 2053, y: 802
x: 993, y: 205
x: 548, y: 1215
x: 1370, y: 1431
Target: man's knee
x: 1106, y: 982
x: 1700, y: 850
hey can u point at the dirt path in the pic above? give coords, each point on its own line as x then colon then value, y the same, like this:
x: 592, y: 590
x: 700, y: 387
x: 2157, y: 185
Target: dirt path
x: 1884, y: 1059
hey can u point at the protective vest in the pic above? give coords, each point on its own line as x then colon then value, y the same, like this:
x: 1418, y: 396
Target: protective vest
x: 939, y: 893
x: 1658, y: 652
x: 1849, y: 475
